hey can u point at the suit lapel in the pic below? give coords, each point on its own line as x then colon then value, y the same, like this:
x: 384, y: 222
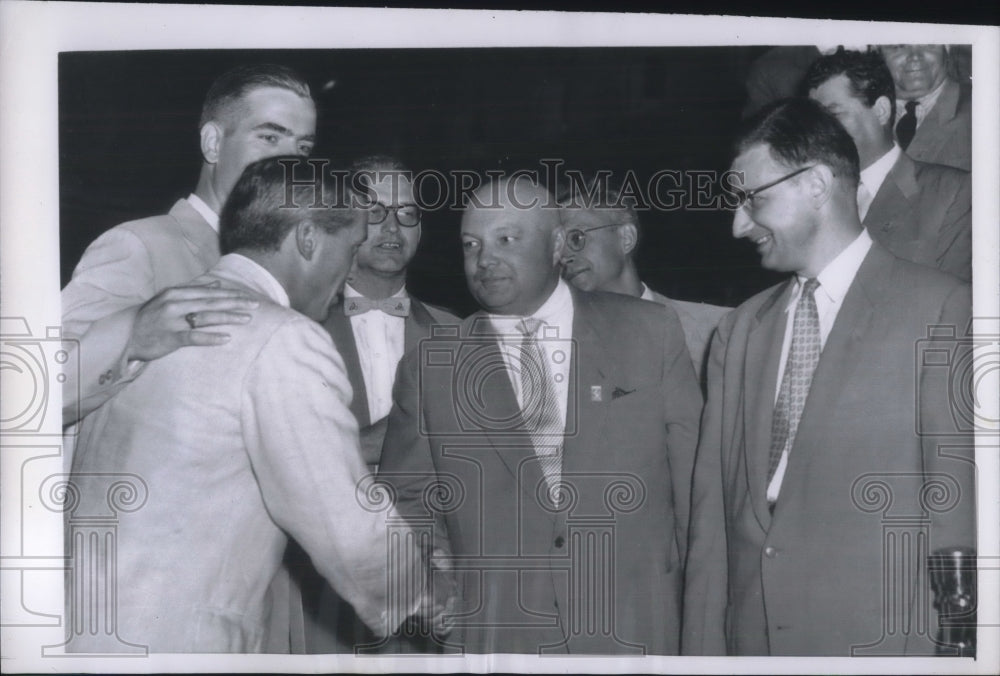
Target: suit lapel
x: 589, y: 387
x: 499, y: 415
x: 201, y: 238
x: 761, y: 373
x: 900, y: 185
x: 339, y: 327
x: 417, y: 326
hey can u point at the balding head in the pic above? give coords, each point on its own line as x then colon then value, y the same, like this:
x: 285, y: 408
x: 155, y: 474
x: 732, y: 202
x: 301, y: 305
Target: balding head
x: 511, y: 239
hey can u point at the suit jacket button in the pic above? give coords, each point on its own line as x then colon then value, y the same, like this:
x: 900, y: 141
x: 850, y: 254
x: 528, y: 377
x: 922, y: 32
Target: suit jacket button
x: 770, y: 552
x: 559, y: 541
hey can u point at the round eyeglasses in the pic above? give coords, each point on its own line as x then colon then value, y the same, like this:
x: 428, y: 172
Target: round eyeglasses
x: 576, y: 239
x: 407, y: 215
x: 745, y: 197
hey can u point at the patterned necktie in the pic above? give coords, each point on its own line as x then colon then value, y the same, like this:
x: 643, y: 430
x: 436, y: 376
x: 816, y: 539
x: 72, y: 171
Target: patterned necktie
x: 357, y: 305
x: 803, y: 354
x: 539, y: 406
x: 906, y: 128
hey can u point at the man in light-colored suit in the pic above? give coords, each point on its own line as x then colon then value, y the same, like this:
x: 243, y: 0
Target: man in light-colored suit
x: 372, y: 326
x: 825, y: 434
x: 933, y: 112
x: 602, y: 239
x: 243, y: 444
x: 119, y: 305
x: 920, y: 212
x: 561, y: 444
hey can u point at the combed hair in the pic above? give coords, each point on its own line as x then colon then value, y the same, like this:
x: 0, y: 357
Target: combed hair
x: 266, y: 203
x: 230, y: 87
x: 867, y: 73
x: 799, y: 132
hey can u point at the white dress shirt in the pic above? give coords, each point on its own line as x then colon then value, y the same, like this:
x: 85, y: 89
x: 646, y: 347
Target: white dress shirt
x: 380, y: 340
x: 555, y: 337
x: 834, y: 281
x: 204, y: 210
x: 873, y: 177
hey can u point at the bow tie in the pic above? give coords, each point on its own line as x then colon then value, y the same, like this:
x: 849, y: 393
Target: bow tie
x: 357, y: 305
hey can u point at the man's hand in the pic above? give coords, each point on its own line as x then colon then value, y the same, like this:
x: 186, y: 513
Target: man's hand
x: 440, y: 598
x: 174, y: 318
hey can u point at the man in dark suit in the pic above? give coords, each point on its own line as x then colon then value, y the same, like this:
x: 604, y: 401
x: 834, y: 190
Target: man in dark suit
x: 602, y: 239
x: 934, y: 112
x: 825, y: 433
x: 920, y: 212
x: 550, y: 449
x: 374, y: 323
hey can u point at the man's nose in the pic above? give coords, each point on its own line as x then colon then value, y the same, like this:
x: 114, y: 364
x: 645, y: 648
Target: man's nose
x: 742, y: 223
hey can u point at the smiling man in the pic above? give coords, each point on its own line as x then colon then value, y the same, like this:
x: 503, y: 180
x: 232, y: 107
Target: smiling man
x: 815, y: 387
x: 539, y: 411
x: 934, y: 112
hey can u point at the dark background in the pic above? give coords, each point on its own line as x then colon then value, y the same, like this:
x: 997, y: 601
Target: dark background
x: 129, y: 139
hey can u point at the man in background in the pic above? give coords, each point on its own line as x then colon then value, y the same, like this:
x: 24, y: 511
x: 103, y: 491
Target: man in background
x: 819, y: 400
x: 119, y: 305
x: 601, y: 243
x: 933, y: 111
x: 920, y: 212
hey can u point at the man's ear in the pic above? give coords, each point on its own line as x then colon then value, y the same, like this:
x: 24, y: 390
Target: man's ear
x: 558, y: 242
x: 820, y: 183
x: 211, y: 139
x: 883, y: 109
x: 306, y: 239
x: 628, y: 237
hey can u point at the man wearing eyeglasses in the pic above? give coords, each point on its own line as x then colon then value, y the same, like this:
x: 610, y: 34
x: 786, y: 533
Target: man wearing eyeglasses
x: 602, y: 238
x: 372, y: 326
x: 823, y: 422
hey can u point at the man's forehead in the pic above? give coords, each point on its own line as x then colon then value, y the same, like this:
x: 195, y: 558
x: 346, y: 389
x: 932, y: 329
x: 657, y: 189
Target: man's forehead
x: 581, y: 217
x: 757, y: 158
x: 392, y: 187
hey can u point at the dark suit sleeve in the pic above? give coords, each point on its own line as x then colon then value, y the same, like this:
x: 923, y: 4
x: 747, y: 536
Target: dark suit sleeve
x: 706, y: 570
x: 683, y: 404
x: 407, y: 465
x: 945, y: 408
x: 953, y: 252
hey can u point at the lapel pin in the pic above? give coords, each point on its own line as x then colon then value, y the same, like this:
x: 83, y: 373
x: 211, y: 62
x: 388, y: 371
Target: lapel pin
x: 596, y: 393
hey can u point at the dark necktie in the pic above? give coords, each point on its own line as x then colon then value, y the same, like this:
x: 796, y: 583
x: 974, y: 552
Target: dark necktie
x: 906, y: 128
x: 357, y: 305
x: 803, y: 354
x: 539, y: 406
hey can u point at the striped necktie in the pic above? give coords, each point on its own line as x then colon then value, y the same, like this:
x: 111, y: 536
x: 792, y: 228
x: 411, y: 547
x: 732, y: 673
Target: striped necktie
x: 539, y: 406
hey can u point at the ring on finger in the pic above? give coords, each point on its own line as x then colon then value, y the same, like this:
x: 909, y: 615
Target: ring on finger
x: 190, y: 319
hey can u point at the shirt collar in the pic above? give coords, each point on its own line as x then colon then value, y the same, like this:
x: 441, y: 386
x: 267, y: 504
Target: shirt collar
x: 647, y: 293
x: 836, y: 278
x: 555, y: 308
x: 206, y: 212
x: 875, y: 174
x: 240, y: 268
x: 924, y: 103
x: 351, y: 292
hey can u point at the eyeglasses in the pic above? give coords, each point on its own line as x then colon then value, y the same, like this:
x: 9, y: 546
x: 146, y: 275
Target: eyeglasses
x: 576, y: 239
x: 745, y: 197
x: 407, y: 215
